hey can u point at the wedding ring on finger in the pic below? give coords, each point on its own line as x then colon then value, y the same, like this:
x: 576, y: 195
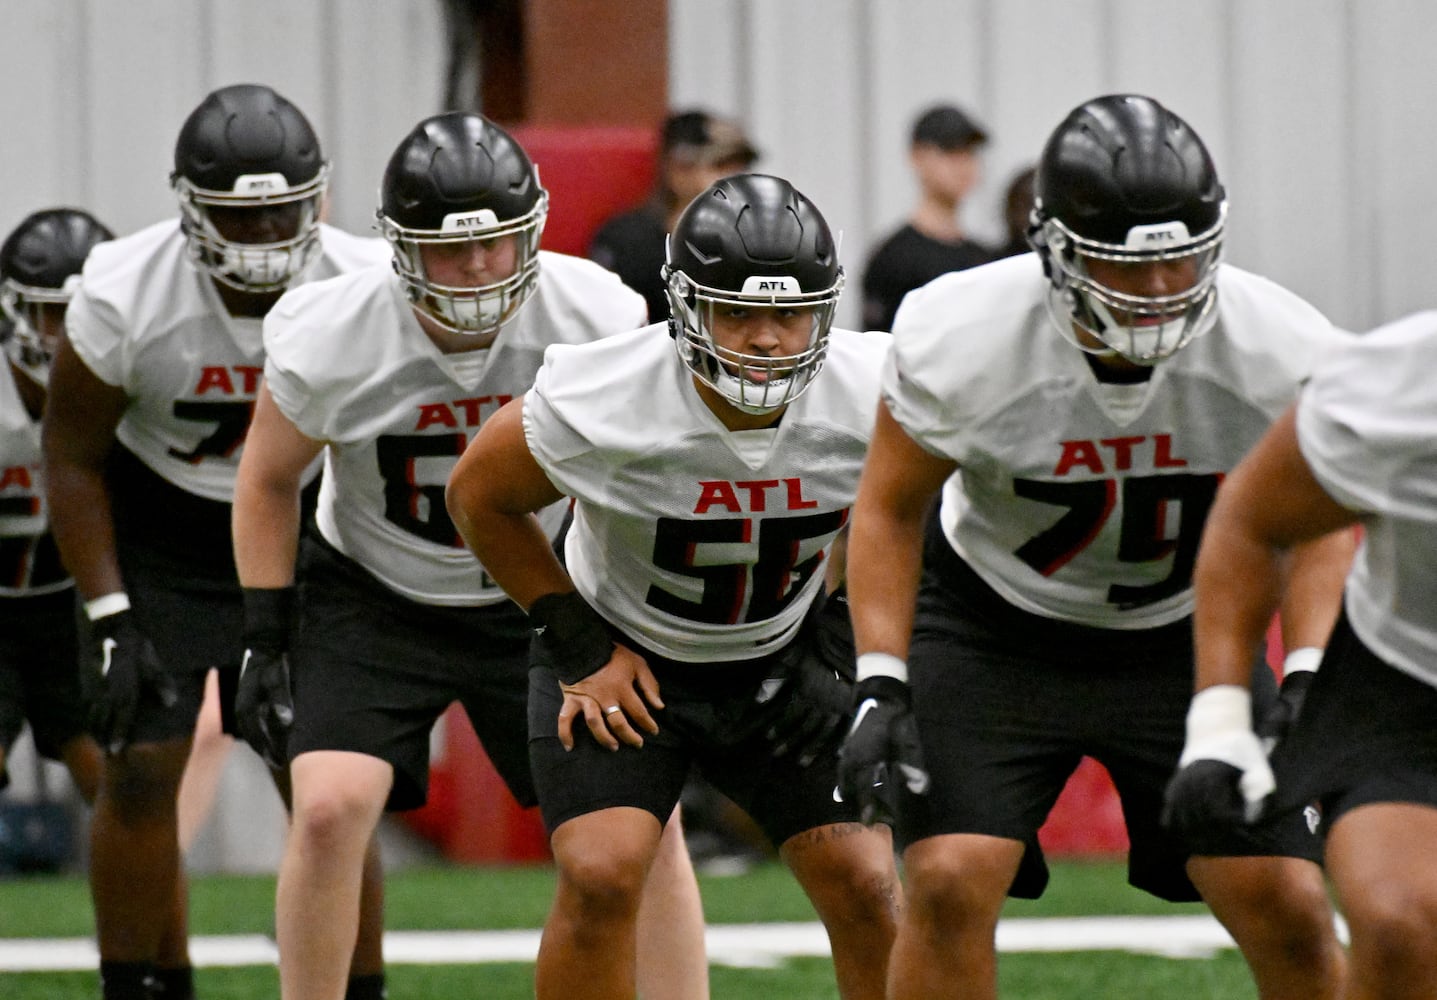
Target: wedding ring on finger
x: 611, y: 709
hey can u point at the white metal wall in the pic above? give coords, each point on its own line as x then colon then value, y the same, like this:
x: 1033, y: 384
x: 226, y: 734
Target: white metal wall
x: 93, y: 92
x: 1315, y: 111
x: 1313, y: 108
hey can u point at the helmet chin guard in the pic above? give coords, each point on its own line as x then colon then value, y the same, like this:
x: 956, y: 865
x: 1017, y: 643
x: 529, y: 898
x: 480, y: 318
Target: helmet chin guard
x: 247, y: 148
x: 1144, y: 329
x: 40, y: 264
x: 751, y: 241
x: 459, y: 177
x: 1124, y: 181
x: 752, y: 383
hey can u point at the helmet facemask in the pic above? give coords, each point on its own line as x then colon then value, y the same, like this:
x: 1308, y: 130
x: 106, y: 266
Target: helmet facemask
x: 34, y: 338
x: 1144, y: 329
x: 475, y: 311
x: 754, y: 384
x: 252, y: 267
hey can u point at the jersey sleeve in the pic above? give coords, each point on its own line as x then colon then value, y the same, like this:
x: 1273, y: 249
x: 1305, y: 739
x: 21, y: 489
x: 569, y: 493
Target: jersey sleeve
x: 283, y: 377
x: 96, y: 332
x: 553, y: 439
x: 916, y: 407
x: 1365, y: 421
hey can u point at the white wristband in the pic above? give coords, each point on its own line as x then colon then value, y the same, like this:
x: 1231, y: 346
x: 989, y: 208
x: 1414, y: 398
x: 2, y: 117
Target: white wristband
x: 1302, y: 658
x: 1218, y: 711
x: 881, y: 665
x: 109, y: 604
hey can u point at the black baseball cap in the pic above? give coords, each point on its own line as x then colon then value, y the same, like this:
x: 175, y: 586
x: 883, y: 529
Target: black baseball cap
x: 701, y: 137
x: 948, y: 128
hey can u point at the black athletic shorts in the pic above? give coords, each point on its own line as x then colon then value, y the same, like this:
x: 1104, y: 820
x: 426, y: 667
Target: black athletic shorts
x: 1008, y: 703
x: 1367, y: 733
x: 40, y: 672
x: 373, y: 670
x: 711, y: 720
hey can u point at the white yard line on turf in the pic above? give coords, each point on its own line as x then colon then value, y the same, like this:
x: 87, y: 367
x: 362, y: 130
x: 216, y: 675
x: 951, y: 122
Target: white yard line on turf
x: 739, y: 945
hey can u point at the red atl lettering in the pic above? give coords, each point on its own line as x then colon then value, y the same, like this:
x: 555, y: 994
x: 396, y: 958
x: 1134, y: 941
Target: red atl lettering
x: 218, y: 377
x: 435, y: 413
x: 1075, y: 453
x: 466, y: 412
x: 795, y: 495
x: 1122, y: 451
x: 1087, y: 455
x: 725, y: 494
x: 17, y: 476
x: 717, y: 492
x: 1163, y: 453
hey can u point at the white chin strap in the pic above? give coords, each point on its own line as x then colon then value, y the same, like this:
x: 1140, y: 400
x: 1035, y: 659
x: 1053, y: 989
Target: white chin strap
x: 1143, y: 345
x: 751, y: 397
x: 255, y: 266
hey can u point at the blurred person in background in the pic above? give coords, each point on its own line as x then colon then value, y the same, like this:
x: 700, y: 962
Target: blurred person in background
x: 944, y: 151
x: 696, y: 148
x: 1017, y: 213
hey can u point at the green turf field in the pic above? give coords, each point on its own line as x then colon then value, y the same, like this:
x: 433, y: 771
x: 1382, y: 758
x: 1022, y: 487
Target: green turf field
x: 491, y: 899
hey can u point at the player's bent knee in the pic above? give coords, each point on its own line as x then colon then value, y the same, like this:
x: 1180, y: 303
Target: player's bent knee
x: 1394, y: 920
x: 335, y: 818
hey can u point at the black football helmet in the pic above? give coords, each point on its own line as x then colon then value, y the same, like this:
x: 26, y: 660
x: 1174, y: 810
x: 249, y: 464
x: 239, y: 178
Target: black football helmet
x: 40, y: 264
x: 1123, y: 179
x: 751, y: 240
x: 246, y: 147
x: 458, y: 176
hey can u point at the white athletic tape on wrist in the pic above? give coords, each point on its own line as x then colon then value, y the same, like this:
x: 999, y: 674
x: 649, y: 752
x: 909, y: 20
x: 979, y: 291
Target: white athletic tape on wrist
x: 109, y: 604
x: 881, y: 665
x: 1302, y: 658
x: 1218, y: 711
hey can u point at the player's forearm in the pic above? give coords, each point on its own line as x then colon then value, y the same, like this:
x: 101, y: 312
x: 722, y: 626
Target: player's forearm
x: 79, y: 504
x: 516, y: 554
x: 265, y: 523
x: 1237, y: 584
x: 884, y: 565
x: 1312, y: 594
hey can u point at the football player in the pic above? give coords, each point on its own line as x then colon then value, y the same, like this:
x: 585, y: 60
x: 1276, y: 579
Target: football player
x: 1075, y: 410
x: 1358, y: 444
x: 151, y: 397
x: 712, y: 461
x: 39, y: 681
x: 389, y: 372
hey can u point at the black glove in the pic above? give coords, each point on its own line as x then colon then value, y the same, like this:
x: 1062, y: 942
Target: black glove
x: 1223, y: 778
x: 880, y: 751
x: 128, y: 667
x: 264, y: 705
x: 810, y: 702
x: 1274, y: 726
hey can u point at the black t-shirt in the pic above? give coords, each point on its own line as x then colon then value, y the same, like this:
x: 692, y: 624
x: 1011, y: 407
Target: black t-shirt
x: 632, y: 246
x: 909, y: 260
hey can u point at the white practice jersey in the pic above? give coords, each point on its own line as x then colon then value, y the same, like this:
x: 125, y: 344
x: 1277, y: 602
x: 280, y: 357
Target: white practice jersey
x: 1075, y: 499
x: 148, y: 320
x: 704, y: 544
x: 1367, y: 426
x: 29, y: 561
x: 349, y: 364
